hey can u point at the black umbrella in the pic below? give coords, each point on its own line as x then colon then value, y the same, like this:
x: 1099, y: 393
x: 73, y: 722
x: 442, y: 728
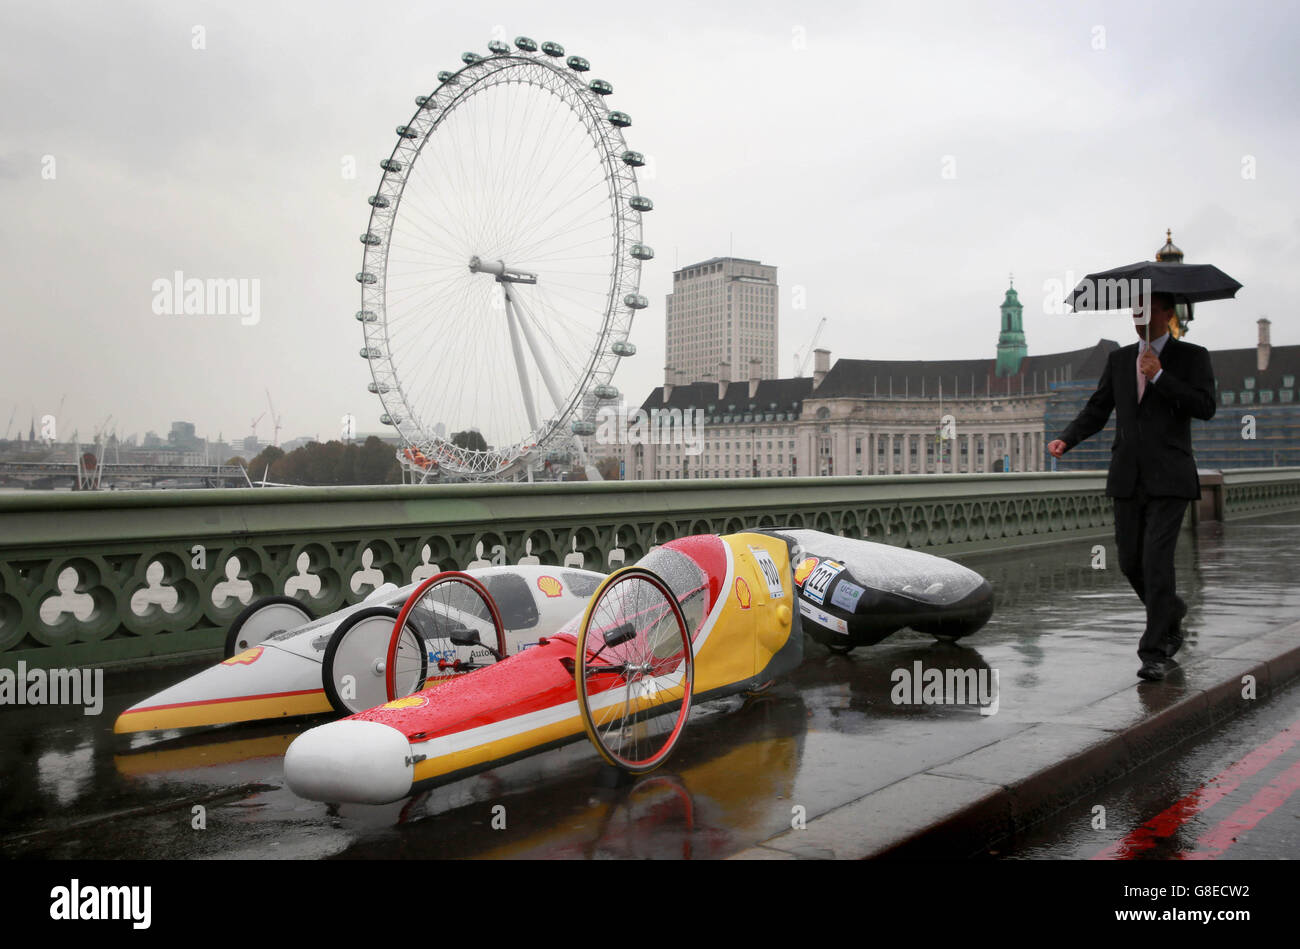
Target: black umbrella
x: 1117, y: 289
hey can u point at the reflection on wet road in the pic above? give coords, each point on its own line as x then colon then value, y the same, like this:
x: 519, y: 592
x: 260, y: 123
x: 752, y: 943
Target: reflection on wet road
x: 1063, y: 635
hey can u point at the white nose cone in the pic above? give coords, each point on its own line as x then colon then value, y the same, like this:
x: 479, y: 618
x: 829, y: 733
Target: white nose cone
x: 350, y: 762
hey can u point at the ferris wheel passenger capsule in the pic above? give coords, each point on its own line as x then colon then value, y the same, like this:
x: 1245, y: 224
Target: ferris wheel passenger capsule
x: 621, y: 119
x: 371, y: 238
x: 387, y: 419
x: 639, y: 203
x: 526, y: 44
x: 636, y: 301
x: 552, y: 49
x: 642, y: 251
x: 607, y: 393
x: 376, y: 388
x: 405, y: 131
x: 370, y: 352
x: 601, y: 87
x: 366, y: 277
x: 389, y: 164
x: 377, y: 201
x: 583, y: 427
x: 469, y: 59
x: 578, y: 64
x: 367, y: 316
x: 634, y: 159
x: 498, y: 47
x: 622, y: 347
x: 446, y: 76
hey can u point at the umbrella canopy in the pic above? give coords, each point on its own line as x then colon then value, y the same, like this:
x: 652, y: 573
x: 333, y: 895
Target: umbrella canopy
x: 1116, y: 289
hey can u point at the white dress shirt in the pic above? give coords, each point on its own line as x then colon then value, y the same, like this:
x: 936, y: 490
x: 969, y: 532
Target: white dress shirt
x: 1158, y: 345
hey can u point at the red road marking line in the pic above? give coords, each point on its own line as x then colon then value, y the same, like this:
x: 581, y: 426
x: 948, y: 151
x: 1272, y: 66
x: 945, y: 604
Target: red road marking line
x: 1265, y: 802
x: 1220, y: 786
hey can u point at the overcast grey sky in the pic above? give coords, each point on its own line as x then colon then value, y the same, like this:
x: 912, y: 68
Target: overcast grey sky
x: 813, y: 136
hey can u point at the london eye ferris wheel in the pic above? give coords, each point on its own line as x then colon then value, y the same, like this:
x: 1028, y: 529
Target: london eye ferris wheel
x: 502, y: 262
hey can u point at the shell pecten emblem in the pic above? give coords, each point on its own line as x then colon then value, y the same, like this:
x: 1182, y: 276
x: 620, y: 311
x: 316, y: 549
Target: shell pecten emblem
x: 550, y: 586
x: 743, y: 595
x: 805, y: 567
x: 410, y: 701
x: 245, y: 658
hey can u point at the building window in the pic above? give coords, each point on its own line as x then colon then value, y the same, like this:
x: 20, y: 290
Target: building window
x: 1285, y: 395
x: 1250, y: 382
x: 1288, y: 382
x: 1265, y: 395
x: 1229, y: 398
x: 1247, y: 398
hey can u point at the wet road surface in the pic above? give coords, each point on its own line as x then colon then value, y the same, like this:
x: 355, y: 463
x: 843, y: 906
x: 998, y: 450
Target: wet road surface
x: 1064, y: 634
x: 1233, y: 793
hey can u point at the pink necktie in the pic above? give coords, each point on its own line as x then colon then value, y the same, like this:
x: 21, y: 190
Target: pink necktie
x: 1142, y: 379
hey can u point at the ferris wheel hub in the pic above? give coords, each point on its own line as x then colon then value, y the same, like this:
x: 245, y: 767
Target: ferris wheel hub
x: 499, y: 269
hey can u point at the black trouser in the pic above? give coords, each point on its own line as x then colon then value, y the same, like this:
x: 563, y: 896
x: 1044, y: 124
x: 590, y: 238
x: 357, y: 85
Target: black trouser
x: 1146, y: 532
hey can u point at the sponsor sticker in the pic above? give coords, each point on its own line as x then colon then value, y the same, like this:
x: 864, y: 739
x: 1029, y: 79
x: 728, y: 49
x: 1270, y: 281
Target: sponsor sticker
x: 245, y: 658
x: 847, y: 595
x: 550, y: 586
x: 822, y: 618
x: 410, y: 701
x: 742, y: 593
x: 815, y: 586
x: 775, y: 589
x: 805, y: 567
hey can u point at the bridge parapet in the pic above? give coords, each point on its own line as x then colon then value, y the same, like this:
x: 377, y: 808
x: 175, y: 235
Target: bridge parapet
x: 125, y: 576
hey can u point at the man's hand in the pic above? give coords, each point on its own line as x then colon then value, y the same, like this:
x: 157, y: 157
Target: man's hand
x: 1149, y: 364
x: 1057, y: 448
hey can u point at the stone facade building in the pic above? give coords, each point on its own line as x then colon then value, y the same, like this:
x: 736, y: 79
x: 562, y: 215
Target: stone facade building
x: 864, y: 416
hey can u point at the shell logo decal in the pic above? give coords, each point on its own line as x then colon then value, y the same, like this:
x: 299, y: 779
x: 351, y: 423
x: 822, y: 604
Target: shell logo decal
x: 550, y: 586
x: 805, y: 567
x: 742, y: 593
x: 245, y: 658
x: 410, y: 701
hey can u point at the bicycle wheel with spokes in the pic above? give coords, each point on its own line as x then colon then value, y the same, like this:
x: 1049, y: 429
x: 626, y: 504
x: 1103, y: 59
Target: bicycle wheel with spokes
x: 634, y: 670
x: 450, y: 604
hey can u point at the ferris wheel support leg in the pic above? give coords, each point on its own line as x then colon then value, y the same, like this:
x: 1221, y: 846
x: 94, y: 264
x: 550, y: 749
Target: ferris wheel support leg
x: 525, y: 389
x: 540, y: 358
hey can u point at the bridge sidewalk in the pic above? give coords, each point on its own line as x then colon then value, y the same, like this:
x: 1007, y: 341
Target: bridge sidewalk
x: 966, y: 804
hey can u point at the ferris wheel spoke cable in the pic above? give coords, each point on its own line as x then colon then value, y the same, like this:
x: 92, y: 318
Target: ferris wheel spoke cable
x: 561, y: 354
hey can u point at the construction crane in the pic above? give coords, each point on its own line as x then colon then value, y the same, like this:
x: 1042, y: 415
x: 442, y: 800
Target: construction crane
x: 800, y: 362
x: 9, y: 427
x: 275, y: 420
x: 100, y: 431
x: 254, y: 424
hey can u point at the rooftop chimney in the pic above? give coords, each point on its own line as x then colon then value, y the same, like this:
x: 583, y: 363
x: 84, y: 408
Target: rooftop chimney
x: 1265, y: 348
x: 670, y: 377
x: 755, y: 370
x: 821, y: 365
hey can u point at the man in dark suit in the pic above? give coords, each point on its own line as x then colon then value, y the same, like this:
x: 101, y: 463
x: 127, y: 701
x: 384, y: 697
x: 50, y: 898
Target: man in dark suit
x: 1156, y: 389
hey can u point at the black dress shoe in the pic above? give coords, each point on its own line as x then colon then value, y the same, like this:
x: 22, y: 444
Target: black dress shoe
x: 1152, y: 671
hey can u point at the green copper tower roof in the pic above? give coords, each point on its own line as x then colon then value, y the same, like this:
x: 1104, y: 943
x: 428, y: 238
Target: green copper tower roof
x: 1011, y: 339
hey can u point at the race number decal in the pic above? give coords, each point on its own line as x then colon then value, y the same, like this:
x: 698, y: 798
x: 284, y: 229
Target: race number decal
x: 814, y: 588
x: 772, y: 575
